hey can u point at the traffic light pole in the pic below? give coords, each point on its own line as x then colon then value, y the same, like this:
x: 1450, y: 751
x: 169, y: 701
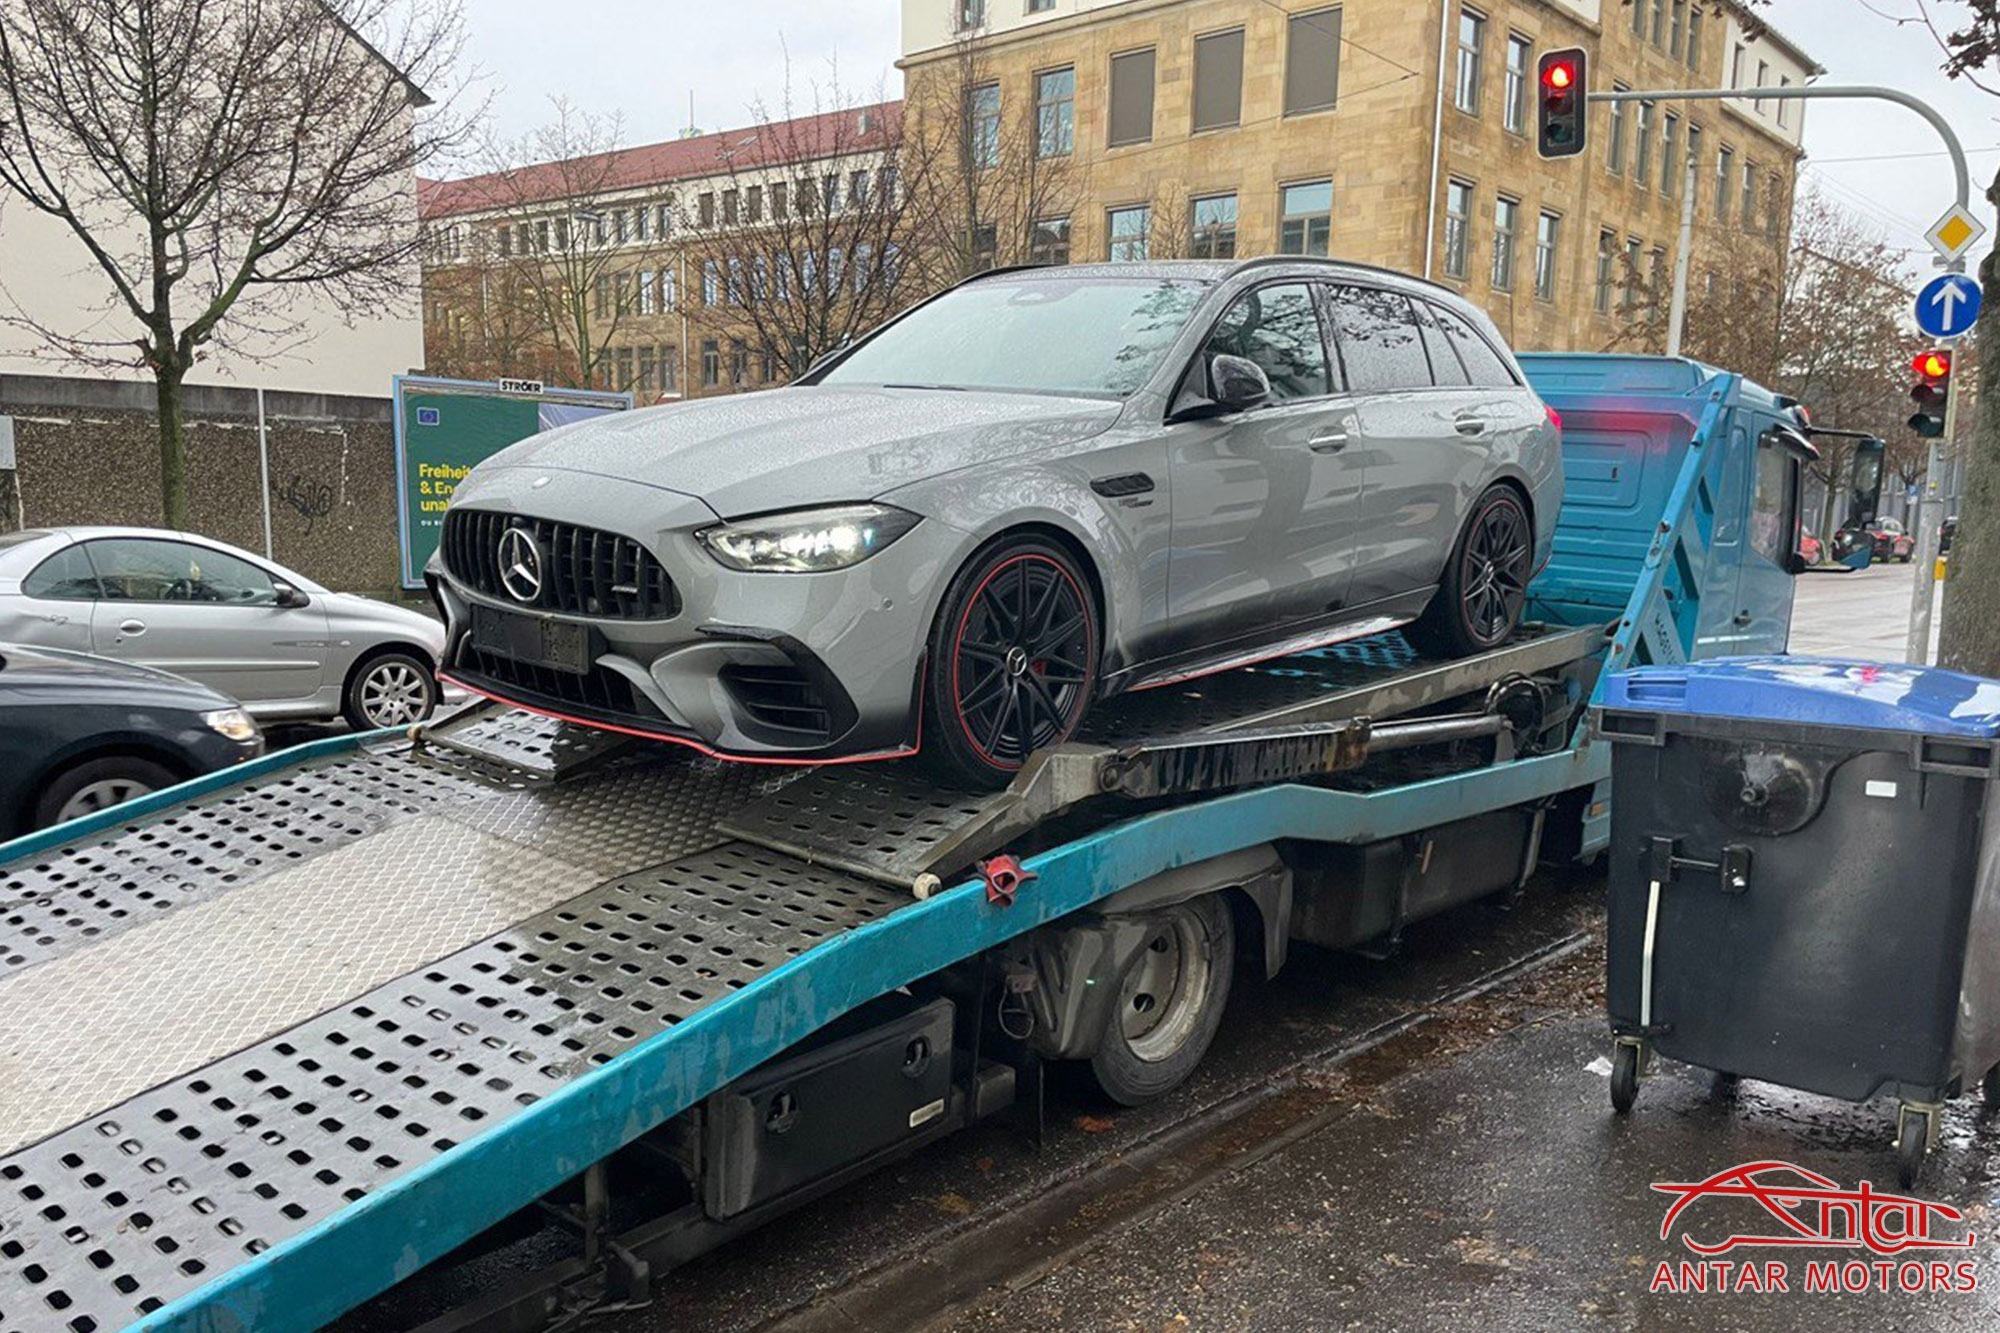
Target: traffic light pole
x: 1929, y: 517
x: 1677, y: 316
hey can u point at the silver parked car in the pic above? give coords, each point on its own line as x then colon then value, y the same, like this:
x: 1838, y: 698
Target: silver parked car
x: 1037, y: 489
x: 278, y: 643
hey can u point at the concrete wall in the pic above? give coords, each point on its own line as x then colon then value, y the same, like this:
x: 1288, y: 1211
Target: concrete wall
x: 89, y: 453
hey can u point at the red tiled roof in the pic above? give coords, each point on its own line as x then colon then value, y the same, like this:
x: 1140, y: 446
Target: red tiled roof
x: 675, y: 160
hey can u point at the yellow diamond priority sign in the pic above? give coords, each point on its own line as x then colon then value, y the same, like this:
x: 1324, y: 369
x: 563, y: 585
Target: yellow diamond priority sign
x: 1955, y: 233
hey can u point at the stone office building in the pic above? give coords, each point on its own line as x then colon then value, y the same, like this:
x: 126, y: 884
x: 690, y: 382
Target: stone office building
x: 1394, y: 132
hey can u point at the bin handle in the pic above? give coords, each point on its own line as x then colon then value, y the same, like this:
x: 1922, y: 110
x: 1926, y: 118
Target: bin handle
x: 1970, y: 758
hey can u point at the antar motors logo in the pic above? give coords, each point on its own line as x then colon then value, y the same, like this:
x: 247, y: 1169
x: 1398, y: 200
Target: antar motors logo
x: 1798, y: 1209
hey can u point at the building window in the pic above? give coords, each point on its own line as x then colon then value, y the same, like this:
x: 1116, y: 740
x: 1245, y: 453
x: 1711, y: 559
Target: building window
x: 1763, y: 78
x: 1694, y: 161
x: 646, y: 293
x: 1642, y: 172
x: 1471, y: 45
x: 732, y: 207
x: 753, y: 203
x: 506, y: 240
x: 1630, y: 297
x: 1671, y: 165
x: 642, y: 225
x: 983, y: 246
x: 711, y: 283
x: 618, y: 225
x: 982, y: 125
x: 542, y: 237
x: 1548, y: 240
x: 1736, y: 66
x: 1312, y: 61
x: 1659, y: 33
x: 669, y: 290
x: 706, y: 209
x: 1128, y: 229
x: 1457, y: 228
x: 1616, y: 157
x: 601, y: 305
x: 1639, y: 19
x: 1506, y: 222
x: 666, y: 219
x: 1607, y: 265
x: 857, y: 189
x: 1212, y: 227
x: 670, y: 370
x: 781, y: 203
x: 1132, y: 97
x: 1749, y: 194
x: 1040, y: 6
x: 1305, y: 226
x: 1677, y: 32
x: 1055, y: 113
x: 739, y: 364
x: 1514, y: 112
x: 1656, y: 275
x: 1694, y: 39
x: 624, y: 380
x: 1218, y: 80
x: 1049, y: 243
x: 1784, y: 107
x: 621, y: 288
x: 1725, y: 180
x: 971, y: 14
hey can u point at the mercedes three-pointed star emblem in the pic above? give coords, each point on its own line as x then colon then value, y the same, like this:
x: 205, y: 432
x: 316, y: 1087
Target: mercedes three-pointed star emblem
x: 520, y: 565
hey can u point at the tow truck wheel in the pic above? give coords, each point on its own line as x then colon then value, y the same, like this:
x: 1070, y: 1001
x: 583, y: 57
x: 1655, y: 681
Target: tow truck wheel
x: 1170, y: 1003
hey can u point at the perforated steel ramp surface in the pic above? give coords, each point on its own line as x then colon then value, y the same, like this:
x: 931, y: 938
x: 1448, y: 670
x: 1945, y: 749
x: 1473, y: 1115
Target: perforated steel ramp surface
x: 139, y: 1203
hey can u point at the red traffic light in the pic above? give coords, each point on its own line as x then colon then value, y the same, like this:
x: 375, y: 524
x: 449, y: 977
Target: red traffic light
x: 1932, y: 365
x: 1559, y: 76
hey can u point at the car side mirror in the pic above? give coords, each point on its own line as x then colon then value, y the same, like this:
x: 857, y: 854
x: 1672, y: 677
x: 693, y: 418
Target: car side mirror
x: 1240, y: 384
x: 290, y: 598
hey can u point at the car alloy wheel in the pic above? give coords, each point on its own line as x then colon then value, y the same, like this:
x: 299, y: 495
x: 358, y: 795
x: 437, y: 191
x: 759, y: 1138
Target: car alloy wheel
x: 394, y: 694
x: 1017, y: 661
x: 101, y: 795
x: 1498, y: 560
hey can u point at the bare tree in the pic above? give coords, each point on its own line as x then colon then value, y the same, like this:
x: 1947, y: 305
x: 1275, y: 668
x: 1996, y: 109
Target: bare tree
x: 564, y: 251
x: 208, y: 151
x: 987, y: 188
x: 801, y: 239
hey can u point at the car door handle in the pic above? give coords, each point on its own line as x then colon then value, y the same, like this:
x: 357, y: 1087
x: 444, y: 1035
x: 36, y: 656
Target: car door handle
x: 1469, y: 426
x: 132, y: 628
x: 1328, y: 442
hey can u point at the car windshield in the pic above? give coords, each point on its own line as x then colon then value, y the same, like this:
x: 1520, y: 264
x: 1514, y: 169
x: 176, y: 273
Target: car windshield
x: 1083, y: 337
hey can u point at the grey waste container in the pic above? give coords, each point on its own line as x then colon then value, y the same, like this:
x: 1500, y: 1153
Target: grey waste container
x: 1803, y: 887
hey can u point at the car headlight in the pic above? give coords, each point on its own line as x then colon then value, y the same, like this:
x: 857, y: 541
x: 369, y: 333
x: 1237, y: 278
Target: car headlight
x: 234, y: 723
x: 811, y: 541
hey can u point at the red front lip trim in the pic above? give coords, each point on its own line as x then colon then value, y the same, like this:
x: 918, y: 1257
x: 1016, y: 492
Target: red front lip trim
x: 686, y: 742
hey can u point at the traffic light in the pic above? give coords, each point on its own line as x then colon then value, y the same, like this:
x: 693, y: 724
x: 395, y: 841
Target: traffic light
x: 1932, y: 392
x: 1564, y: 121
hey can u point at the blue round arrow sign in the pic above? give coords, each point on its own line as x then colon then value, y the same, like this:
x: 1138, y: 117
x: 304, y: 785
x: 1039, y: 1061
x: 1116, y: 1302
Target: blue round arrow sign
x: 1947, y: 306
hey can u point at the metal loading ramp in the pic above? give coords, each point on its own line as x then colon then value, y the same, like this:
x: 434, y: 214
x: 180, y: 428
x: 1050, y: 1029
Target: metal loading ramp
x: 271, y: 1047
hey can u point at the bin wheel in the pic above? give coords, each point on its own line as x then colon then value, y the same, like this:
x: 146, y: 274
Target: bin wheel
x: 1989, y: 1089
x: 1624, y: 1077
x: 1913, y: 1145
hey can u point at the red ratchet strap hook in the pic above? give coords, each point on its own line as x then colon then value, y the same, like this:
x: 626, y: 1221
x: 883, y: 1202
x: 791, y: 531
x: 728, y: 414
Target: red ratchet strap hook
x: 1005, y: 877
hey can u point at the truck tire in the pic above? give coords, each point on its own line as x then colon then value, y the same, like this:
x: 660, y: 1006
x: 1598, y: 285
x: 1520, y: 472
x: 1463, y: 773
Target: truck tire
x: 1170, y: 1003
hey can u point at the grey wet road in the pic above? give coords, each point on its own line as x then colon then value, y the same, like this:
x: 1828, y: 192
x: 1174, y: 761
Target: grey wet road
x: 1864, y: 615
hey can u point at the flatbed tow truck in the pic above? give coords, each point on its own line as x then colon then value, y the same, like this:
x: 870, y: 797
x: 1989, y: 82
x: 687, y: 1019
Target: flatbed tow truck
x: 278, y: 1039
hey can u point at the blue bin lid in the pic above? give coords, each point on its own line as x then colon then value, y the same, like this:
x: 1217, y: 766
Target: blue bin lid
x: 1816, y: 691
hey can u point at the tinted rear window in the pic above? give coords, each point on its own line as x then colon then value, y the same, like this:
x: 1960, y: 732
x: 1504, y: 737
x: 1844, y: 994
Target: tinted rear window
x: 1446, y: 369
x: 65, y: 576
x: 1380, y: 344
x: 1482, y: 363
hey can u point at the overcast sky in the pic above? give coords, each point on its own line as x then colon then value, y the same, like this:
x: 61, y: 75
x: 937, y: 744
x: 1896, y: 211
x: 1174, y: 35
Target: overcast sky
x: 645, y: 58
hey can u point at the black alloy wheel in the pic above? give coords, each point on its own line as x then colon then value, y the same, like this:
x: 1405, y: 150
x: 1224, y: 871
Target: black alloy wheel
x: 1485, y: 586
x: 1013, y: 662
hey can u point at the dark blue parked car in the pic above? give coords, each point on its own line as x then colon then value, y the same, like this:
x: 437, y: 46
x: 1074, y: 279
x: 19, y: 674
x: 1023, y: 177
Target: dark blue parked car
x: 79, y: 734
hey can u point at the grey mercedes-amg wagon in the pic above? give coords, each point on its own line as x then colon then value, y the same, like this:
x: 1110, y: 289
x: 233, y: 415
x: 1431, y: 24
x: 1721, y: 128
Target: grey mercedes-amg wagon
x: 1037, y: 489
